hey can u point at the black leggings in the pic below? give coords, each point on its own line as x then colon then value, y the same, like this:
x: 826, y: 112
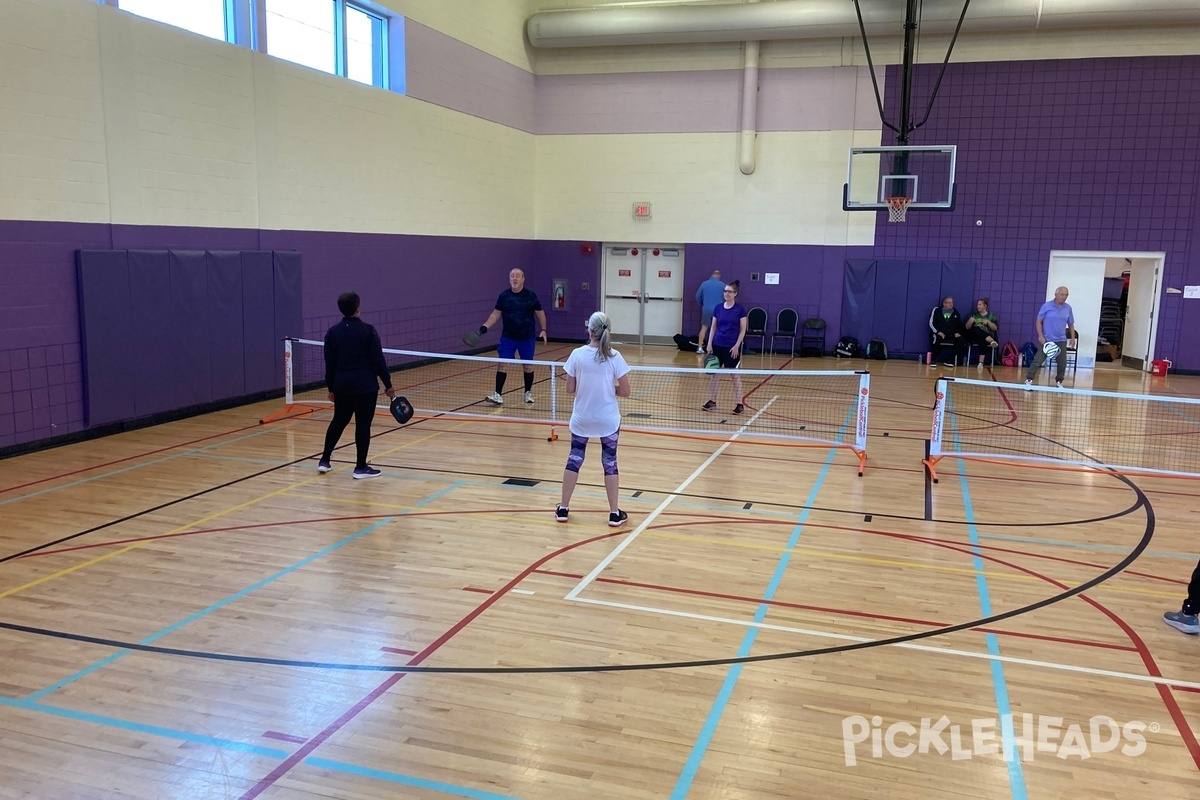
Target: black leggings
x: 362, y: 408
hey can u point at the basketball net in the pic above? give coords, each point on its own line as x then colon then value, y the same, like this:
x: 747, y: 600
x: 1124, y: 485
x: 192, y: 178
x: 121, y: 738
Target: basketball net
x: 897, y: 208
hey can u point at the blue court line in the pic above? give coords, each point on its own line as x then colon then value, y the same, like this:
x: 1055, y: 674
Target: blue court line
x: 684, y: 783
x: 1016, y: 771
x: 252, y: 749
x: 1107, y: 548
x: 132, y: 467
x: 215, y: 606
x: 426, y: 501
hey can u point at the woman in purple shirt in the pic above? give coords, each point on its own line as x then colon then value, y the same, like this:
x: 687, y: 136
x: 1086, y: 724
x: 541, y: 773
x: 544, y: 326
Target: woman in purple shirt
x: 725, y: 336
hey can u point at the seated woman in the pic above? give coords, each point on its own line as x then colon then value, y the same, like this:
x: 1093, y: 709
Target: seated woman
x: 947, y: 327
x: 982, y: 330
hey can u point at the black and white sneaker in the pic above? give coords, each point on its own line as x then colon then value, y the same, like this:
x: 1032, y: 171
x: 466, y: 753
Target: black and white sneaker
x: 366, y: 472
x: 710, y: 405
x: 617, y: 518
x: 560, y: 513
x: 739, y: 408
x: 324, y: 466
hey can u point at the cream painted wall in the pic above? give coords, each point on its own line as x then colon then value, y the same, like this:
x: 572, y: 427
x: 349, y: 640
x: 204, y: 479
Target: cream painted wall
x: 52, y: 157
x: 108, y: 117
x: 496, y: 27
x: 587, y: 185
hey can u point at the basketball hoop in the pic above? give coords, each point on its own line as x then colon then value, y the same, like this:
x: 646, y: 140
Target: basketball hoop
x: 897, y: 207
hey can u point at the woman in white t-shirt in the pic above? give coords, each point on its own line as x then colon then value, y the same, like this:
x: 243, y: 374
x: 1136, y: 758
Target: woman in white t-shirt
x: 597, y: 375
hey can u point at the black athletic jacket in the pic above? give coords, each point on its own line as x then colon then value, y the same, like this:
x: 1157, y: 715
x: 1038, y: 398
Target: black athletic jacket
x: 354, y: 358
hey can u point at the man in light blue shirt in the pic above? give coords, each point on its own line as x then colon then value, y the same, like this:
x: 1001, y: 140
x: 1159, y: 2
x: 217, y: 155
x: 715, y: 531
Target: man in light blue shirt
x: 709, y: 296
x: 1055, y: 323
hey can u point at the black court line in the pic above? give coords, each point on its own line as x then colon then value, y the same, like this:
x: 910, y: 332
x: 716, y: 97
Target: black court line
x: 1147, y: 535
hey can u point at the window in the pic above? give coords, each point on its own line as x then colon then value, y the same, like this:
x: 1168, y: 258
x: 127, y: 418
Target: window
x: 205, y: 17
x: 303, y: 31
x: 330, y: 35
x: 340, y: 37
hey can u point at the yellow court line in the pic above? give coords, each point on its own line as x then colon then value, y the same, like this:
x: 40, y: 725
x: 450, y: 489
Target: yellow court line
x: 896, y: 563
x: 180, y: 529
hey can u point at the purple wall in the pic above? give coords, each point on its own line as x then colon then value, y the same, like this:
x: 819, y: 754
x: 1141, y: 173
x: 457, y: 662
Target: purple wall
x: 1090, y: 154
x: 422, y: 292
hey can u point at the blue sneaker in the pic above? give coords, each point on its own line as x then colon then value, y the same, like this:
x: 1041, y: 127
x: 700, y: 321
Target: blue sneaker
x: 366, y: 472
x: 1182, y: 622
x: 324, y: 466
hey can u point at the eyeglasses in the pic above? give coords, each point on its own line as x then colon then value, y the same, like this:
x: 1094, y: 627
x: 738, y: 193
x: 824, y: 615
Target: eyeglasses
x: 728, y: 291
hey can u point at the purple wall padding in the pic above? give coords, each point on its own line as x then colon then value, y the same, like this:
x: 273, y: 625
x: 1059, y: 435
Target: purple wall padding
x: 858, y: 300
x: 107, y: 319
x: 227, y: 358
x: 189, y: 301
x: 889, y: 316
x: 263, y: 352
x: 289, y: 318
x: 155, y: 350
x: 924, y: 291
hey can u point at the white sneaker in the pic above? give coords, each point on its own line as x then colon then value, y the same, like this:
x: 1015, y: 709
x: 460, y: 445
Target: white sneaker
x: 1058, y: 384
x: 1028, y: 385
x: 495, y: 397
x: 529, y: 398
x: 699, y: 351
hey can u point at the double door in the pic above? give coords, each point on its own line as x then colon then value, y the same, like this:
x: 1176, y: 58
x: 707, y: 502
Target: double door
x: 643, y: 292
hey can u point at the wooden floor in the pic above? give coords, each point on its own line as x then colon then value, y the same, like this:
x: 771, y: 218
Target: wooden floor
x: 192, y: 611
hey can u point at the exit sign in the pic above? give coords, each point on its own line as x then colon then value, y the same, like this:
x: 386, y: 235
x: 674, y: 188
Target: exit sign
x: 641, y: 211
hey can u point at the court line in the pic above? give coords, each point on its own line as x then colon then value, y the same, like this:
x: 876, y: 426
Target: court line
x: 688, y: 774
x: 128, y: 458
x: 945, y: 651
x: 783, y: 604
x: 1016, y: 771
x: 252, y: 749
x: 54, y: 687
x: 182, y: 528
x: 661, y: 507
x: 110, y: 473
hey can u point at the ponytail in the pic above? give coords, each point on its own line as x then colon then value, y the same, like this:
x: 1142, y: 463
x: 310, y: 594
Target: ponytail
x: 599, y: 328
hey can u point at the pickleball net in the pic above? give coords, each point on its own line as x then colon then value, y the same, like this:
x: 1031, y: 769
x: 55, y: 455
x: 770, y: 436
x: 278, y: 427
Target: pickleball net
x: 783, y: 407
x: 1065, y: 428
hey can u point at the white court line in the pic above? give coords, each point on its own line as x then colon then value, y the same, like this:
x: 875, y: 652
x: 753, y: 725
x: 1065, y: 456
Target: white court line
x: 905, y: 645
x: 520, y: 591
x: 670, y: 498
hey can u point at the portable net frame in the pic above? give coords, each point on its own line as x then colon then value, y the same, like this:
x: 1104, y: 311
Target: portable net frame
x: 791, y: 408
x: 1065, y: 428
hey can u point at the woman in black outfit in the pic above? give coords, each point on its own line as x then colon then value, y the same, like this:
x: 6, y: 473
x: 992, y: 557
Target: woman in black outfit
x: 353, y: 362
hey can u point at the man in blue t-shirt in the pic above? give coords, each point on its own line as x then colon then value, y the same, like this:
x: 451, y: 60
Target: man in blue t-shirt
x: 518, y: 308
x: 708, y: 296
x: 1055, y: 323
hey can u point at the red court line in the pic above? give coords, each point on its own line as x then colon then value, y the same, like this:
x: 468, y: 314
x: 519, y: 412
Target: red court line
x: 312, y: 744
x: 837, y: 611
x: 128, y: 458
x: 480, y: 591
x: 284, y: 737
x: 400, y: 650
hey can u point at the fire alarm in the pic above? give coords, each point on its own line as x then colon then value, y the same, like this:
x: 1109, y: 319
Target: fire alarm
x: 656, y: 251
x: 633, y: 252
x: 586, y: 249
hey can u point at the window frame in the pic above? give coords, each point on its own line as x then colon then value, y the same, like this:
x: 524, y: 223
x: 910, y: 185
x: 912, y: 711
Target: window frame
x: 246, y: 26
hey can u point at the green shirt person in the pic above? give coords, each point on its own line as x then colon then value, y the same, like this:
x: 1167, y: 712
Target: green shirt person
x: 982, y: 328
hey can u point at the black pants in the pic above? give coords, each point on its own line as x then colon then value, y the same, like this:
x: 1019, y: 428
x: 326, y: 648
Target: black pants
x: 1192, y: 604
x: 362, y: 408
x: 948, y: 349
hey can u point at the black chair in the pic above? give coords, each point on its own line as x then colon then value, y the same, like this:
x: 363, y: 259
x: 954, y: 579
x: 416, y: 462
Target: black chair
x: 785, y: 328
x: 756, y: 325
x: 812, y: 337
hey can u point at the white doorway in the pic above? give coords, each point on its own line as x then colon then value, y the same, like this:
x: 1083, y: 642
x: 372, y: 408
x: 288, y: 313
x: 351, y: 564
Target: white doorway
x: 1085, y: 274
x: 643, y: 291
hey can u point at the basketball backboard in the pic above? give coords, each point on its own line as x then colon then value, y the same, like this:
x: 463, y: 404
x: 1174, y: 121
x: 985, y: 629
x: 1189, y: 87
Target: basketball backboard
x: 924, y: 173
